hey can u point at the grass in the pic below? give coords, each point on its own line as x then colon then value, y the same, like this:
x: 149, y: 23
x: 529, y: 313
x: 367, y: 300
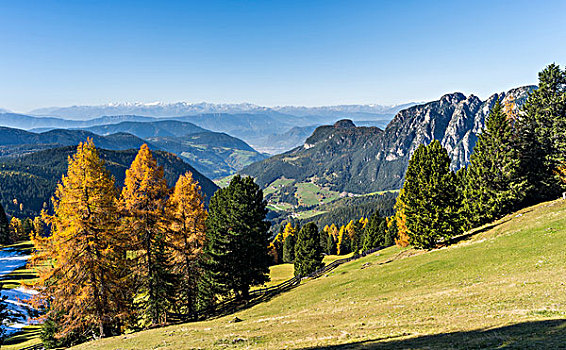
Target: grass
x: 309, y: 194
x: 20, y: 275
x: 27, y: 337
x: 30, y: 334
x: 276, y: 185
x: 282, y: 272
x: 502, y: 287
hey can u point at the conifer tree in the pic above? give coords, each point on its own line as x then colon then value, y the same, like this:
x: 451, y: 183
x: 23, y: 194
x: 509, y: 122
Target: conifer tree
x: 492, y: 186
x: 541, y: 145
x: 323, y: 239
x: 289, y: 240
x: 400, y: 218
x: 430, y: 198
x: 142, y: 206
x: 331, y: 248
x: 308, y: 253
x: 15, y: 227
x: 236, y: 249
x: 289, y: 248
x: 187, y: 216
x: 375, y: 232
x: 343, y: 246
x: 4, y: 227
x: 79, y: 265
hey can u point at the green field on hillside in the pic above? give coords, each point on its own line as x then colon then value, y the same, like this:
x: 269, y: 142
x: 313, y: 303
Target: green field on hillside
x: 502, y: 287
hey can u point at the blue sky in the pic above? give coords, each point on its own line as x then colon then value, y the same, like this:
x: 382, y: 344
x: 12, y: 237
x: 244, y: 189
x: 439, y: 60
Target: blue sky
x: 271, y: 52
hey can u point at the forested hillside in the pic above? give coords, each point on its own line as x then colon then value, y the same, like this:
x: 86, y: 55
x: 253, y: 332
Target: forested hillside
x: 28, y: 182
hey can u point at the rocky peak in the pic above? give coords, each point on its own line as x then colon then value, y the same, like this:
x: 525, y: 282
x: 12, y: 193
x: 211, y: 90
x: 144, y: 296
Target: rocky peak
x: 453, y: 98
x: 344, y: 124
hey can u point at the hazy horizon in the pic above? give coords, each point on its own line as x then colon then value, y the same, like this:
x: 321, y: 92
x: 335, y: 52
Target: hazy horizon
x: 318, y: 53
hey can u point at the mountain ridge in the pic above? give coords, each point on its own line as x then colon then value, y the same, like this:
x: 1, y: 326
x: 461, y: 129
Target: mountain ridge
x: 364, y: 160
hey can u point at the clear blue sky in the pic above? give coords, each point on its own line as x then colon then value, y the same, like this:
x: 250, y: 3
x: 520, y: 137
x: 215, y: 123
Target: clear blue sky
x: 57, y: 53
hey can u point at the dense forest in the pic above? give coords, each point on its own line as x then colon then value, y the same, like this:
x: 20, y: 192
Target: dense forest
x: 29, y: 181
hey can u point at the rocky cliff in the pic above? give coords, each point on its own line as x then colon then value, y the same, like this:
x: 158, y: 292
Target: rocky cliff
x: 344, y: 157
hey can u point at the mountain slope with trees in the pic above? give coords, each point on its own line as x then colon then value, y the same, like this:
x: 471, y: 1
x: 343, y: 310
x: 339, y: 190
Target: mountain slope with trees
x: 27, y: 182
x: 367, y: 159
x: 492, y: 290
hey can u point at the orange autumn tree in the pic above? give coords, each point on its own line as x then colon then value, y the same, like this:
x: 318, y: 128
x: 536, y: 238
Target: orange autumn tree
x: 400, y: 218
x: 142, y: 207
x: 79, y: 264
x: 187, y: 215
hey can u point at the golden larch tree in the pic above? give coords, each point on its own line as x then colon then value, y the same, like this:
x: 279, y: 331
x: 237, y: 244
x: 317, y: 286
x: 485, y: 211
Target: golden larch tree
x: 79, y: 264
x: 187, y: 216
x: 142, y: 206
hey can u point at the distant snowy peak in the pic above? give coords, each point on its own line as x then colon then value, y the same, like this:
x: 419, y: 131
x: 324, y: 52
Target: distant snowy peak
x: 161, y: 109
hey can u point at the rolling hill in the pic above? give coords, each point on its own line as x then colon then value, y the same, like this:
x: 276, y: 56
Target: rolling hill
x: 147, y: 129
x: 500, y: 287
x: 211, y: 153
x: 30, y: 180
x: 15, y: 142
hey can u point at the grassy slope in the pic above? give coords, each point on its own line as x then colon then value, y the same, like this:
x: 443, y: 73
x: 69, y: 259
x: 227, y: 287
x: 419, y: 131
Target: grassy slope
x: 504, y: 287
x: 29, y: 335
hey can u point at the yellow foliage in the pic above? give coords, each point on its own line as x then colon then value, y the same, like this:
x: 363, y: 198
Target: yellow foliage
x: 400, y: 218
x: 79, y: 265
x: 188, y: 221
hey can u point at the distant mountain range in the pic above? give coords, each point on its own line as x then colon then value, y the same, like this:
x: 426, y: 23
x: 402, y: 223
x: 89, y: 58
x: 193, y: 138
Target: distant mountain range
x: 264, y: 128
x: 214, y: 154
x: 159, y: 109
x: 27, y: 182
x: 344, y: 157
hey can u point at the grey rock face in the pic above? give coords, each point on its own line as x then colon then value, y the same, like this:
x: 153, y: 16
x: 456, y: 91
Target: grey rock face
x: 363, y: 160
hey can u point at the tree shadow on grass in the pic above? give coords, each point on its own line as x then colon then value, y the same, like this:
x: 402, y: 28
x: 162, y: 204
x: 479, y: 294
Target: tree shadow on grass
x: 550, y: 334
x: 23, y: 336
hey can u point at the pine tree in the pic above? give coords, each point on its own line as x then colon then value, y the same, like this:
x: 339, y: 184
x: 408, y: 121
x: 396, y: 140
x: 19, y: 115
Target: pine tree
x: 187, y: 216
x: 236, y: 249
x: 430, y: 198
x: 289, y: 248
x: 15, y: 227
x: 79, y: 264
x: 375, y: 232
x: 289, y: 237
x: 492, y: 187
x: 308, y: 253
x: 343, y: 246
x: 541, y: 126
x: 142, y: 206
x: 4, y: 227
x: 323, y: 239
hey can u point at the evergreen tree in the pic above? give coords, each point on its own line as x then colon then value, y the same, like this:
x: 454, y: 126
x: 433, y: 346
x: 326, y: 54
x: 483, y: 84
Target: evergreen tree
x: 541, y: 127
x: 391, y: 231
x: 236, y: 249
x: 492, y: 187
x: 289, y: 248
x: 289, y: 239
x: 79, y: 264
x: 187, y: 215
x: 331, y: 248
x: 15, y: 227
x: 323, y: 239
x: 375, y: 232
x: 343, y: 246
x: 4, y: 227
x: 308, y: 252
x: 142, y: 205
x: 430, y: 198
